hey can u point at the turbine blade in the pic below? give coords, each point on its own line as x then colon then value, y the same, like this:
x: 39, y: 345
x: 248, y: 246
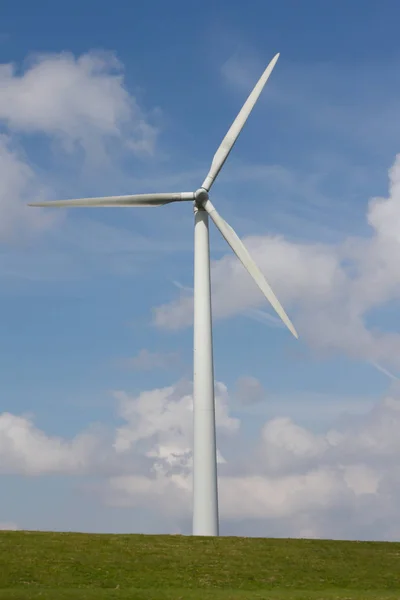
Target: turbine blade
x: 243, y: 255
x: 136, y: 200
x: 227, y: 143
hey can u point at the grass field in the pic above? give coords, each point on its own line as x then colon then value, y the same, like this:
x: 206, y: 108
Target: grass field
x: 55, y: 566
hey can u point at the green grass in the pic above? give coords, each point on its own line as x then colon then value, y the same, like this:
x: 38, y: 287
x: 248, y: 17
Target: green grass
x: 58, y: 566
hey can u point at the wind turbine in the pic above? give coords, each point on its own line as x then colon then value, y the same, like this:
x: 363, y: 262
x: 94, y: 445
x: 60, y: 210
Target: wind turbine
x: 205, y: 492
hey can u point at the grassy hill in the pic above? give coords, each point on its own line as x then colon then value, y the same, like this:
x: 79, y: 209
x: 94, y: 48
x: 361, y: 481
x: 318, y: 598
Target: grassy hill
x: 53, y: 566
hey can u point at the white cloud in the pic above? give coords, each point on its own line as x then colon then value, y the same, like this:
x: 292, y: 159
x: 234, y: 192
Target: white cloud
x: 286, y: 480
x: 292, y: 478
x: 159, y: 416
x: 24, y: 449
x: 157, y: 425
x: 249, y: 390
x: 80, y: 100
x: 300, y: 476
x: 19, y: 185
x: 331, y: 289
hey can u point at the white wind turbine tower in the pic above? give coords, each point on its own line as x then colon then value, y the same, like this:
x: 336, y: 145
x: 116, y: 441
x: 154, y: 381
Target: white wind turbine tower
x: 205, y: 492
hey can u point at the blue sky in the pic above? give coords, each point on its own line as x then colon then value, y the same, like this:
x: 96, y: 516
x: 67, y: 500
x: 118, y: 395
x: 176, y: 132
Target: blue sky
x: 117, y: 98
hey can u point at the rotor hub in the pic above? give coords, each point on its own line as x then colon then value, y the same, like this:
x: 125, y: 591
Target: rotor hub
x: 200, y: 196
